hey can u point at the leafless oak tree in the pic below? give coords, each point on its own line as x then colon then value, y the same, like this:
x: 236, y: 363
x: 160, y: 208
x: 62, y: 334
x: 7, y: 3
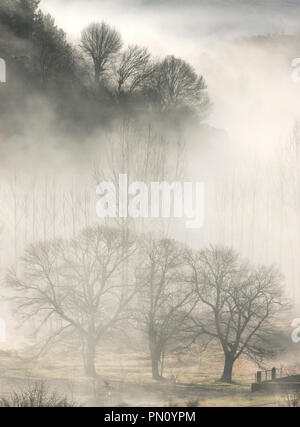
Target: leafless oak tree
x: 236, y: 303
x: 163, y: 300
x: 77, y: 283
x: 100, y: 42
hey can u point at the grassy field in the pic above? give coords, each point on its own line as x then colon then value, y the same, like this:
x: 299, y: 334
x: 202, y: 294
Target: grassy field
x: 189, y: 381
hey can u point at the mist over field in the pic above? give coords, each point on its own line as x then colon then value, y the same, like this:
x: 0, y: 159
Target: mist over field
x: 125, y: 310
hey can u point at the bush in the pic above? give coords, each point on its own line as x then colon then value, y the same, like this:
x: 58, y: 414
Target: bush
x: 35, y: 395
x: 293, y: 399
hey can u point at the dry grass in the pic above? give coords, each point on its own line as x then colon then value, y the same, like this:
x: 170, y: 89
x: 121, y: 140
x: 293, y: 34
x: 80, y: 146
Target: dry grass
x: 130, y: 377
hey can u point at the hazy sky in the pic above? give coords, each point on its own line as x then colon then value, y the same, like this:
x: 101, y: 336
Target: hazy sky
x: 148, y: 20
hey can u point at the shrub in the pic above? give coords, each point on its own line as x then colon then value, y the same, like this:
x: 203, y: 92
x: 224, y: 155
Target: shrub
x: 35, y: 395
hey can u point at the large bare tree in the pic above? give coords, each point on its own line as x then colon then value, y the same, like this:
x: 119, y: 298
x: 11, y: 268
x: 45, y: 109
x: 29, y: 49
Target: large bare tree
x: 164, y: 302
x: 236, y: 303
x: 76, y: 284
x: 100, y: 42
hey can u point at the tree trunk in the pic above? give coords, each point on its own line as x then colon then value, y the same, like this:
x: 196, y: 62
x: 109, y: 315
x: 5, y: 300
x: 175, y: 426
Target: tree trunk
x: 155, y: 354
x: 227, y: 372
x: 155, y: 370
x: 90, y: 369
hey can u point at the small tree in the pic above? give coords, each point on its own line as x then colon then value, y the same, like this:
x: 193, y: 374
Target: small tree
x: 163, y: 301
x: 77, y: 283
x: 235, y: 303
x: 100, y: 42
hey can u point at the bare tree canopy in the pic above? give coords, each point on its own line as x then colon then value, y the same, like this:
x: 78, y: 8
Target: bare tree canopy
x: 178, y: 85
x: 134, y: 70
x: 77, y: 283
x: 100, y: 42
x: 236, y: 303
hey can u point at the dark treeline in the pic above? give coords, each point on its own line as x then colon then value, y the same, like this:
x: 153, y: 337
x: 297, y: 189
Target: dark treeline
x: 87, y: 86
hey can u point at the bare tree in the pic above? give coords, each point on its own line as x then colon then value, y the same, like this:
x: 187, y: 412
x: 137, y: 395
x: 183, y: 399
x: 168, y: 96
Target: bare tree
x: 134, y: 70
x: 77, y: 284
x: 144, y: 154
x: 235, y: 303
x: 100, y: 42
x: 163, y: 302
x: 177, y: 85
